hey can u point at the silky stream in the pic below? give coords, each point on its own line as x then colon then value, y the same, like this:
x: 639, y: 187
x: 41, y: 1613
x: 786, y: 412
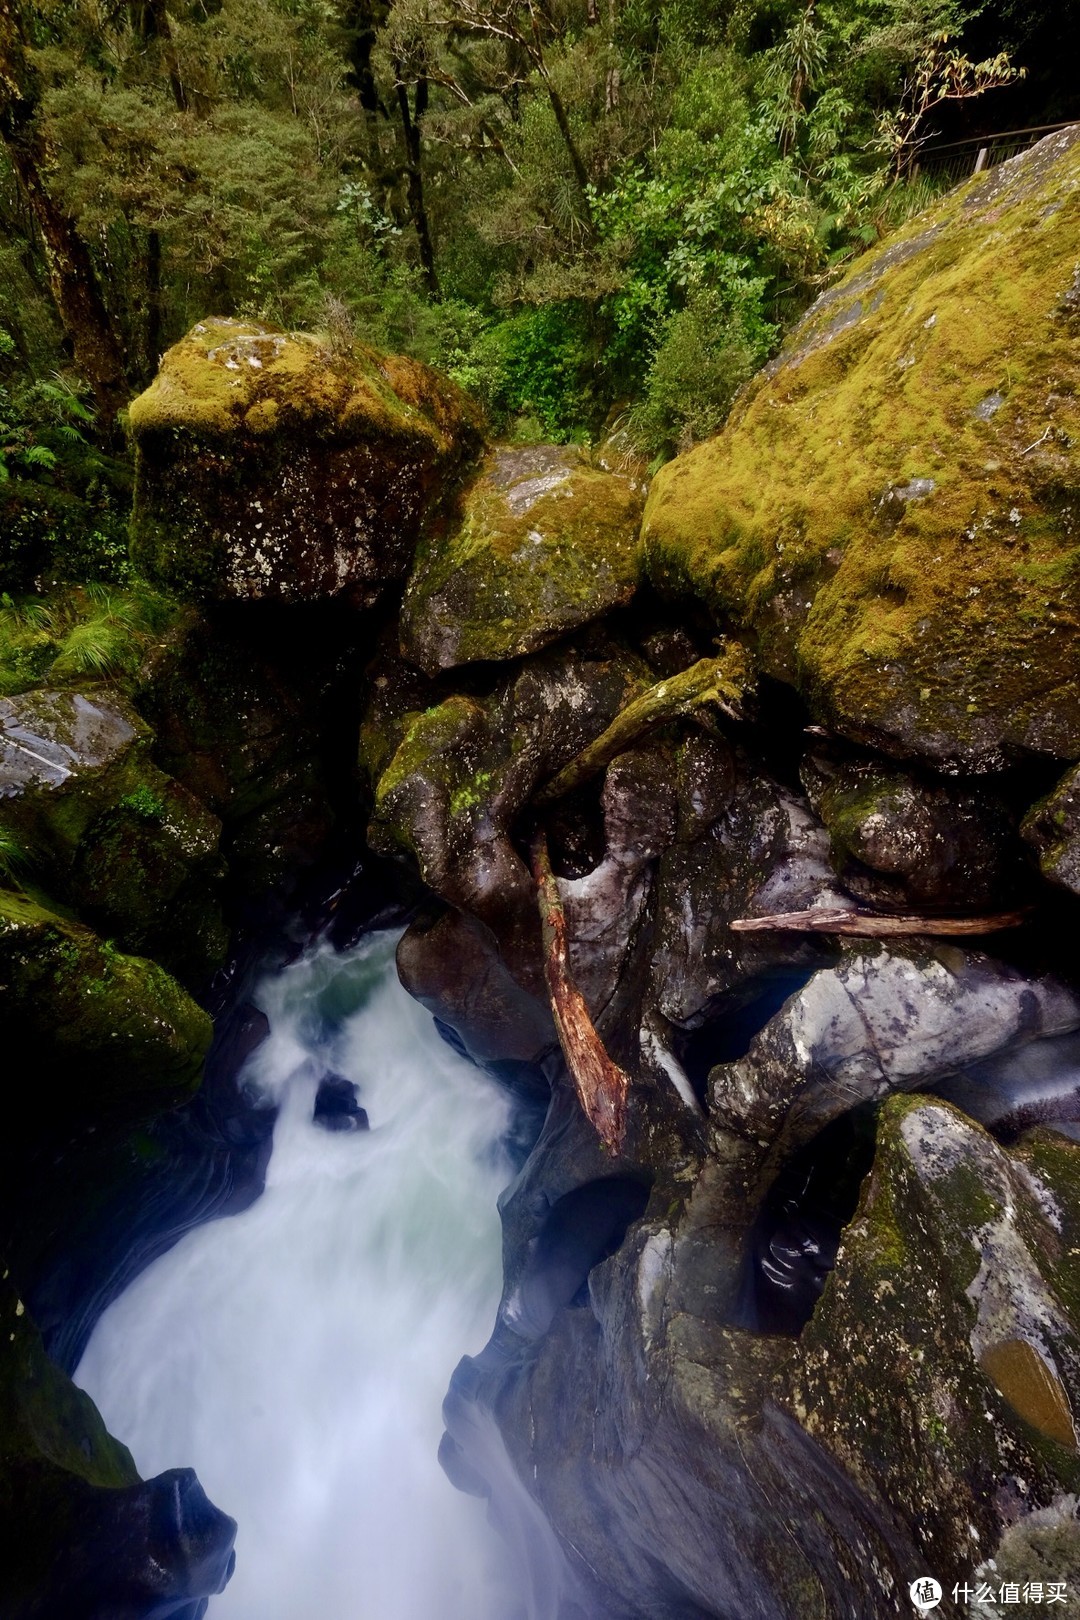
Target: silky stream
x: 297, y: 1355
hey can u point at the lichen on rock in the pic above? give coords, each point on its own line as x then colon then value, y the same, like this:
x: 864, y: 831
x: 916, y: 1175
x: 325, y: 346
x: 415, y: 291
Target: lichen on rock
x: 905, y: 555
x: 268, y: 465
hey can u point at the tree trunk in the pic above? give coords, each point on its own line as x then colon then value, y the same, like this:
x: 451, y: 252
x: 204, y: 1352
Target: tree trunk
x: 73, y: 281
x: 157, y: 26
x: 410, y: 124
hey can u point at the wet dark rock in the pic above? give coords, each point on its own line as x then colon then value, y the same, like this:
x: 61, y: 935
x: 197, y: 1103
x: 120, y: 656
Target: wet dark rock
x: 337, y: 1105
x: 884, y: 1020
x: 1052, y: 828
x: 454, y: 778
x: 106, y: 830
x: 746, y: 847
x: 955, y: 1276
x: 925, y: 843
x: 451, y: 965
x: 642, y: 1422
x: 85, y: 1538
x: 113, y: 1036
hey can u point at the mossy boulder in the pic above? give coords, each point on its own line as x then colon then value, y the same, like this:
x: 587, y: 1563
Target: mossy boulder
x: 909, y: 840
x: 108, y: 1035
x: 942, y: 1365
x: 1052, y: 828
x: 453, y: 778
x: 544, y: 542
x: 269, y: 465
x: 891, y: 512
x: 83, y: 806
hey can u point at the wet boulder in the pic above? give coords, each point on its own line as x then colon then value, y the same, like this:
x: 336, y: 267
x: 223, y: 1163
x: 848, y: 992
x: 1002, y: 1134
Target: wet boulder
x: 337, y: 1105
x: 83, y: 1534
x: 84, y: 807
x: 110, y: 1035
x: 891, y: 524
x: 897, y: 837
x: 746, y: 846
x: 451, y: 965
x: 1052, y: 828
x: 544, y: 542
x: 454, y: 777
x: 942, y: 1366
x: 270, y: 465
x: 883, y: 1020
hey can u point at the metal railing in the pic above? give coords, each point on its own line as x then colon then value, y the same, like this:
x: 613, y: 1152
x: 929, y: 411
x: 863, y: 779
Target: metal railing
x: 960, y: 159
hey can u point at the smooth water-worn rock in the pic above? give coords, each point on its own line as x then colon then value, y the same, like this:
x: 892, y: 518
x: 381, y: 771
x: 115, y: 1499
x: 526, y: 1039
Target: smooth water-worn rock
x: 883, y: 1020
x: 544, y: 542
x: 270, y: 465
x: 747, y: 847
x: 454, y: 777
x: 890, y: 512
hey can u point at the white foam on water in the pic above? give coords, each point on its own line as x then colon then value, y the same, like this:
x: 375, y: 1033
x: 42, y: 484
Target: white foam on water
x: 297, y: 1355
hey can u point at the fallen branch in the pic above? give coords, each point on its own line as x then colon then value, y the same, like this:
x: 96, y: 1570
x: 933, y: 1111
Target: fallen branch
x: 600, y: 1084
x: 721, y: 681
x: 875, y: 925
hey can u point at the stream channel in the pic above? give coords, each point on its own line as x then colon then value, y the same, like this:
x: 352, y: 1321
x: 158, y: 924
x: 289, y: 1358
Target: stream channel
x: 297, y: 1354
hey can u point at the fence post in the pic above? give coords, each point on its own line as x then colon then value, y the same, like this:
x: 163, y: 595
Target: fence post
x: 982, y: 159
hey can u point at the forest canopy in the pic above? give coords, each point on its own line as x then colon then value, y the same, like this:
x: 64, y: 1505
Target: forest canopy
x: 586, y: 211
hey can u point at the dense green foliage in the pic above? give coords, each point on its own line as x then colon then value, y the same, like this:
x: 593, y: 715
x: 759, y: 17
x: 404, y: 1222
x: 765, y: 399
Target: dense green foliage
x: 583, y: 210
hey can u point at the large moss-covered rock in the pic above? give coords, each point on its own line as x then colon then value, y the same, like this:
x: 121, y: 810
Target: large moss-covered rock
x: 269, y: 465
x: 82, y: 803
x: 544, y: 543
x: 107, y: 1034
x: 942, y: 1366
x: 891, y: 511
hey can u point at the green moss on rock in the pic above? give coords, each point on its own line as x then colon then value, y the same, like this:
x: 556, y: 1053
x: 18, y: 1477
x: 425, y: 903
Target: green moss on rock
x: 270, y: 466
x: 106, y: 830
x: 943, y: 1357
x: 110, y: 1034
x: 543, y: 544
x: 892, y: 509
x: 1052, y: 828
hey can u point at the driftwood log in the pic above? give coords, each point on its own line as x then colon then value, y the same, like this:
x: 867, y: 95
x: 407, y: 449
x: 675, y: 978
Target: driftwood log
x: 721, y: 682
x: 600, y: 1084
x: 875, y: 925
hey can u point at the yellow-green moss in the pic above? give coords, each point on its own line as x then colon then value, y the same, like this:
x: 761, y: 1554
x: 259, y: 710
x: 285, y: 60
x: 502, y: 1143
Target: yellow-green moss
x: 268, y: 464
x: 522, y: 568
x: 946, y: 616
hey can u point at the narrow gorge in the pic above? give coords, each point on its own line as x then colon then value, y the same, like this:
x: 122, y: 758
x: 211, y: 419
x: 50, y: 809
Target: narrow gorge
x: 783, y: 743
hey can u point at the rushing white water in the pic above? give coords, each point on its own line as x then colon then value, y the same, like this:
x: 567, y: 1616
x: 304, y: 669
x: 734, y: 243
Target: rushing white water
x: 297, y: 1355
